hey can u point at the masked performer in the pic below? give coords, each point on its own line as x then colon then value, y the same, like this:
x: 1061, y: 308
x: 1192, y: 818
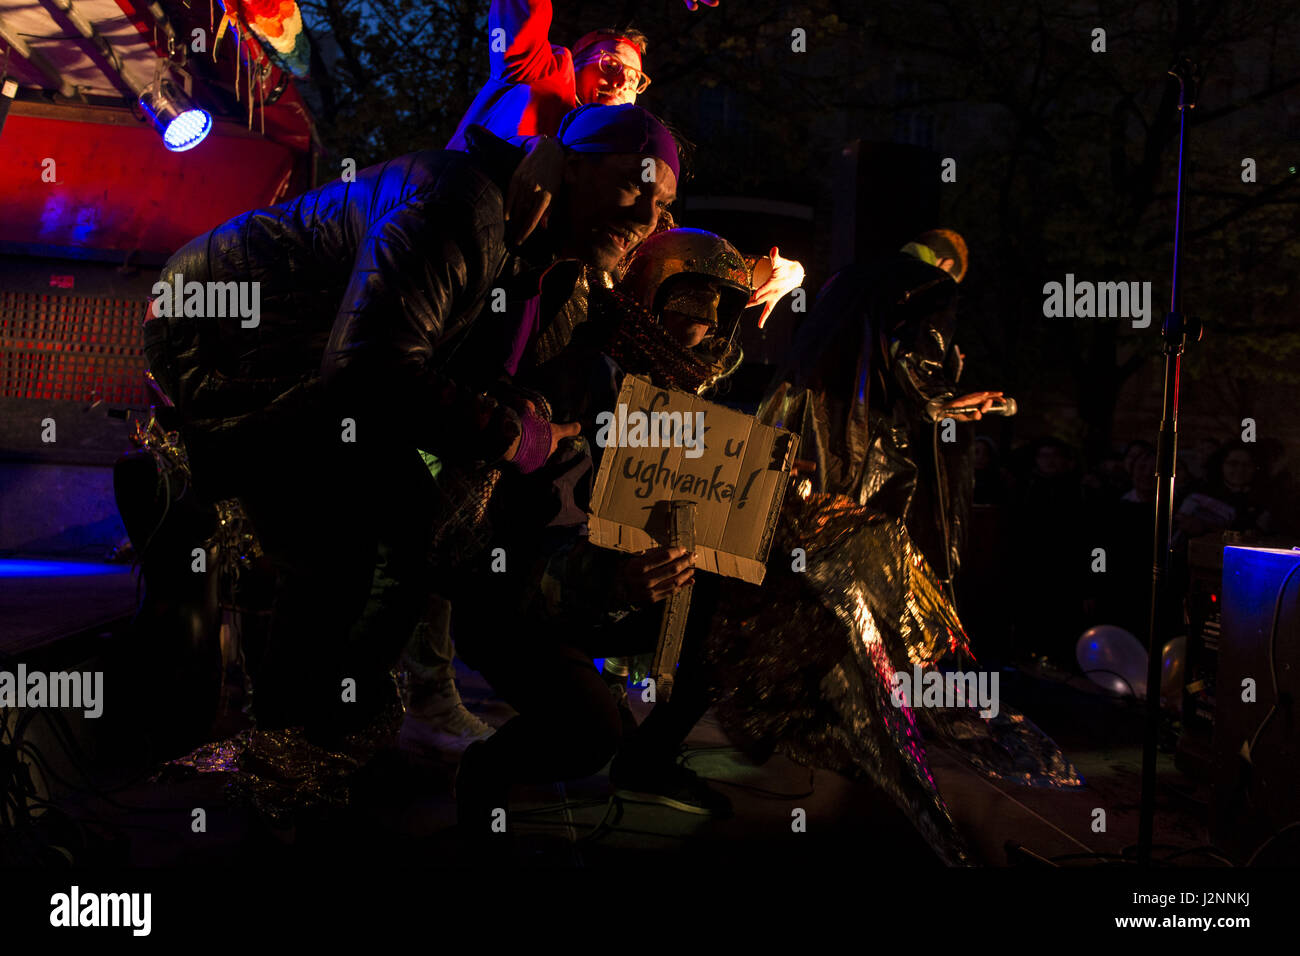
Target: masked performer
x: 566, y: 602
x: 929, y: 365
x: 807, y: 663
x: 373, y: 342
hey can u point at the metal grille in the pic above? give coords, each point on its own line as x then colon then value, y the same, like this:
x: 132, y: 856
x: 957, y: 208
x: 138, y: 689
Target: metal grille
x: 71, y: 348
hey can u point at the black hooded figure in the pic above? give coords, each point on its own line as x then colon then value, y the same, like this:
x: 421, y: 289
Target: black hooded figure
x: 869, y: 372
x: 808, y: 662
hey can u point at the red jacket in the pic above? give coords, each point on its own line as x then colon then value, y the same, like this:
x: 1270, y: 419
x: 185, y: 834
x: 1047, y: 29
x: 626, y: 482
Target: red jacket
x: 532, y: 83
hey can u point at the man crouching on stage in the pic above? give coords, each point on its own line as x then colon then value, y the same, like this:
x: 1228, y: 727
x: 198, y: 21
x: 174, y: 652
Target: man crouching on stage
x: 533, y: 624
x: 373, y: 342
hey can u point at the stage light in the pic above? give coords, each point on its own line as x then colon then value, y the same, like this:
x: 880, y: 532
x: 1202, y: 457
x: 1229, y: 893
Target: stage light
x: 180, y: 123
x: 19, y: 568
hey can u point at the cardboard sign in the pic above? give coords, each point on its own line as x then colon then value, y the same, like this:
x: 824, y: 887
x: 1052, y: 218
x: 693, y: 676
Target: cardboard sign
x: 736, y: 471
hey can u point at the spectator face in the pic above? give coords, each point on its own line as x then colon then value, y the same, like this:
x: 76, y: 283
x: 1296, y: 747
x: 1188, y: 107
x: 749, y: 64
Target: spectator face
x: 1238, y: 470
x: 599, y: 84
x: 1051, y: 461
x: 1144, y: 475
x: 611, y: 207
x: 980, y: 455
x: 1131, y: 456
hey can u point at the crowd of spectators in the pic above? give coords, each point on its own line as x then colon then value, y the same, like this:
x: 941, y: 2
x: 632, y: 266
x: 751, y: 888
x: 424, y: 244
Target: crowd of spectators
x: 1059, y: 545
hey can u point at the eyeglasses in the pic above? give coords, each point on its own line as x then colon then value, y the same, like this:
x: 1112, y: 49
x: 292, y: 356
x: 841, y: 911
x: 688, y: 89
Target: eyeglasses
x: 615, y: 69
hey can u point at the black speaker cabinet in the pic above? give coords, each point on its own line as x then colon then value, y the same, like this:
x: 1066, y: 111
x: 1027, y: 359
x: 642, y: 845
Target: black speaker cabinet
x: 1256, y: 748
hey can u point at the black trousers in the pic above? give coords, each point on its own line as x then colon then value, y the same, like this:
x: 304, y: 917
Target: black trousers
x: 347, y: 530
x: 346, y: 525
x: 568, y: 725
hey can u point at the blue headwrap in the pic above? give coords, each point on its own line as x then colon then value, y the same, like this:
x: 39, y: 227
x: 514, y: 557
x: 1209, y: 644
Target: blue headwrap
x: 618, y: 129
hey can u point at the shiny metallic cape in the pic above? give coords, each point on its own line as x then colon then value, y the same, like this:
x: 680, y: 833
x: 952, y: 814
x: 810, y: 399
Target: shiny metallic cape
x: 805, y: 664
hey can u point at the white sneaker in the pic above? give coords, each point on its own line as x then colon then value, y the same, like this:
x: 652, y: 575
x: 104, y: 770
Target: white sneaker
x: 441, y: 722
x: 448, y: 733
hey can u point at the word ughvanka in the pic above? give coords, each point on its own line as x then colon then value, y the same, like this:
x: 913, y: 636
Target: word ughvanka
x: 60, y: 690
x: 651, y: 430
x: 717, y: 488
x: 102, y: 909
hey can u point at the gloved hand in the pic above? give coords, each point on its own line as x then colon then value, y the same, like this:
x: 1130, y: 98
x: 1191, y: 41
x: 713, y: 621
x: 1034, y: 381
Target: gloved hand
x: 774, y: 276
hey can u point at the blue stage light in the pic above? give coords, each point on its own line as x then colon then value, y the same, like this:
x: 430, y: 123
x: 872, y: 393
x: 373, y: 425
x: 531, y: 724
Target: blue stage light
x: 187, y: 130
x: 11, y: 568
x: 181, y: 124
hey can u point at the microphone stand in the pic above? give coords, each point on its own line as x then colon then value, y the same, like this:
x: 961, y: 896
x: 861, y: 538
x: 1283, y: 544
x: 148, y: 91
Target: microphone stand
x: 1175, y: 331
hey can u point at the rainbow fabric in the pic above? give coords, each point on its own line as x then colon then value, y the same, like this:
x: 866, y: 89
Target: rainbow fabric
x: 277, y: 26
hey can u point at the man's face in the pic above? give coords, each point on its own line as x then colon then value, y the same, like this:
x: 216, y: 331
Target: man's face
x: 1238, y: 470
x: 613, y: 202
x: 1130, y: 456
x: 594, y: 85
x: 1144, y: 474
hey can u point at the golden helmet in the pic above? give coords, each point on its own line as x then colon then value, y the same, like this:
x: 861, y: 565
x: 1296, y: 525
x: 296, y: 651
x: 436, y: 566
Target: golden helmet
x: 664, y: 257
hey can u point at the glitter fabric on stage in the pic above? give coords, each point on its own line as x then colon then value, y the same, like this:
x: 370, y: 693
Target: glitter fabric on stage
x: 279, y: 773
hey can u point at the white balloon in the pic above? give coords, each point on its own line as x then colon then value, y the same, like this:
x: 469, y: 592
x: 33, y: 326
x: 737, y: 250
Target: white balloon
x: 1114, y: 659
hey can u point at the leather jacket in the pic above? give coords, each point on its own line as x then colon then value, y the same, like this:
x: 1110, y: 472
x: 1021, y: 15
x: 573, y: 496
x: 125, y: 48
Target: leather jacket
x: 368, y: 290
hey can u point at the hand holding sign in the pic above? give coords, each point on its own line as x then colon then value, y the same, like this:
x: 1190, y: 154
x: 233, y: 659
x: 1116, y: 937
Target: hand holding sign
x: 656, y: 574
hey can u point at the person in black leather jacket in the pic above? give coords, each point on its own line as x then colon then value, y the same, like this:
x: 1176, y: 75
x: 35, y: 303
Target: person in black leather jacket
x: 392, y: 318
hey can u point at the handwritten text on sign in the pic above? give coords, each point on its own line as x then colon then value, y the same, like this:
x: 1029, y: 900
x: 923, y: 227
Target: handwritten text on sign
x: 737, y: 479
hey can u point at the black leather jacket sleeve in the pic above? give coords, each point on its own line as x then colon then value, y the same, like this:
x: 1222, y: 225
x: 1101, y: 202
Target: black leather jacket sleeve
x: 427, y: 264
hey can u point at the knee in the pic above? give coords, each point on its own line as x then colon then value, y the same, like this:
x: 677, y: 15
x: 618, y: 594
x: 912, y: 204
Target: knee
x: 592, y: 743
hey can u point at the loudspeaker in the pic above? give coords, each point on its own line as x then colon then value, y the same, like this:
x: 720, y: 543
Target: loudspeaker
x: 886, y: 194
x: 1256, y: 755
